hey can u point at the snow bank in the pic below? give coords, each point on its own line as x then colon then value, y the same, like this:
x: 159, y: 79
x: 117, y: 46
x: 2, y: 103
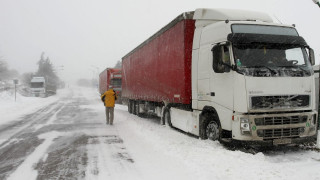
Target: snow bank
x: 11, y: 109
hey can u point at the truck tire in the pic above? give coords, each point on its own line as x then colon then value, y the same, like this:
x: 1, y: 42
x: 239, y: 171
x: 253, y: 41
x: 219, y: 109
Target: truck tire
x: 213, y: 130
x: 166, y: 118
x: 210, y: 127
x: 129, y: 107
x: 134, y: 107
x: 137, y: 108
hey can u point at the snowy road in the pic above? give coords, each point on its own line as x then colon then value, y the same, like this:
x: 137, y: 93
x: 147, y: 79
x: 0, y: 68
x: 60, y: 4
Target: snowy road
x: 65, y: 137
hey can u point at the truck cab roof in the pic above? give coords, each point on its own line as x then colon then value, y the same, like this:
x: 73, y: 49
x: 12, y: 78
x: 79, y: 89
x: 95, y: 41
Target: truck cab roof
x: 38, y: 79
x: 231, y: 15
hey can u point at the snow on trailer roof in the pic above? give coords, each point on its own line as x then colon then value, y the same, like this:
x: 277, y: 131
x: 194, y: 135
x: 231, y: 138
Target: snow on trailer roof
x: 185, y: 15
x: 209, y: 15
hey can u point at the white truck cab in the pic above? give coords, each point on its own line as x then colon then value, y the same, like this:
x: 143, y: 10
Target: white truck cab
x: 38, y: 87
x: 252, y: 79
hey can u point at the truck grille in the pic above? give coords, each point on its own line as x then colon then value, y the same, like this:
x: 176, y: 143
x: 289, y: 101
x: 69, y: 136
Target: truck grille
x: 280, y: 120
x: 280, y: 102
x: 279, y: 133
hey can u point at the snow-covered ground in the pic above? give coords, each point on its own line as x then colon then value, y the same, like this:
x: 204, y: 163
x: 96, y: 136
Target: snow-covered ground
x: 151, y: 151
x: 12, y: 107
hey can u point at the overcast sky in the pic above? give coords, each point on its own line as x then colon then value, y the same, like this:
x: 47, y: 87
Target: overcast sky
x: 87, y: 36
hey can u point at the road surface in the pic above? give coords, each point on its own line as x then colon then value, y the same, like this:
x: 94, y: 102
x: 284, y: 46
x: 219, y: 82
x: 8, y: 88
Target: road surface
x: 68, y: 139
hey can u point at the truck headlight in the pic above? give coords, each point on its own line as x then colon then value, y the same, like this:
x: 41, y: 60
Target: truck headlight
x: 244, y: 125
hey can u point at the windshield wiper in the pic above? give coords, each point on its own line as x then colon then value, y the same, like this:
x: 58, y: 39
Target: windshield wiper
x: 306, y: 71
x: 273, y: 72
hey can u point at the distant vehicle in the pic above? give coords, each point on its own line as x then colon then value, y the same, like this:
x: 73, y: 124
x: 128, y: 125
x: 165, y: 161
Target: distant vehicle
x: 40, y: 87
x: 228, y: 75
x: 111, y: 78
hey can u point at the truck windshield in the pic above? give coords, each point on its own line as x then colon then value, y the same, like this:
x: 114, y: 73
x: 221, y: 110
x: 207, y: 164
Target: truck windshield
x: 116, y: 82
x: 37, y: 85
x: 273, y: 57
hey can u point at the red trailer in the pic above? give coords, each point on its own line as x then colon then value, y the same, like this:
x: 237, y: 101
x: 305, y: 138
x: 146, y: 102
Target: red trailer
x: 159, y: 70
x: 111, y: 78
x: 228, y: 95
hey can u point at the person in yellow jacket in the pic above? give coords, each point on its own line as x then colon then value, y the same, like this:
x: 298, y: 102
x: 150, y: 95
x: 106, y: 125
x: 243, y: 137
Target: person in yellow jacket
x: 108, y: 98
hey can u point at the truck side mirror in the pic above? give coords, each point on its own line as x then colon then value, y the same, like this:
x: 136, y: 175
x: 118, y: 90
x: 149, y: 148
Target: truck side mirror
x: 311, y: 56
x: 218, y: 67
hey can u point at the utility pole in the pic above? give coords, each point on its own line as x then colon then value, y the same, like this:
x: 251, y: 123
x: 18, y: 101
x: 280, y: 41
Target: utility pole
x: 316, y: 2
x: 15, y: 81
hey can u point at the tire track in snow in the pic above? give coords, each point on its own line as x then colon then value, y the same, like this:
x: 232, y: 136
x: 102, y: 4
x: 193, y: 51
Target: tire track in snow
x: 26, y: 169
x: 109, y: 159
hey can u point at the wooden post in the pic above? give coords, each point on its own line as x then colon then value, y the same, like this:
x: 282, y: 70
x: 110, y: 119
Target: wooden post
x: 15, y: 81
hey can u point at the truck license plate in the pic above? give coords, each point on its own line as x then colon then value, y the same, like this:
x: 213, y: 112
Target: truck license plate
x: 281, y: 141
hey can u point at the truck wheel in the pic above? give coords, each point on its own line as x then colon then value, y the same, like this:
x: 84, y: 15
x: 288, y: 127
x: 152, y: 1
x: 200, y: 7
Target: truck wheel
x: 166, y: 119
x: 129, y: 106
x: 213, y: 131
x: 134, y: 107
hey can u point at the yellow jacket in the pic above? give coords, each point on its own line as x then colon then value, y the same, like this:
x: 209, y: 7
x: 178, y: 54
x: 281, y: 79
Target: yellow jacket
x: 109, y: 97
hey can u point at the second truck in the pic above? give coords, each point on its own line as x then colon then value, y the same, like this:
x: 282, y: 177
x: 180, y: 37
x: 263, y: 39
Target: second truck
x: 111, y: 78
x: 225, y: 75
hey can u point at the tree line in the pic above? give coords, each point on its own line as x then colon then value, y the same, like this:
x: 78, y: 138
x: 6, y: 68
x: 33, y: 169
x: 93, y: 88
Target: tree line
x: 45, y: 69
x: 5, y: 72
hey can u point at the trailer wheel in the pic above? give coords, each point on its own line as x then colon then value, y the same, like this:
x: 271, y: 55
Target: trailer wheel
x: 134, y: 108
x: 166, y: 118
x: 130, y: 106
x: 213, y: 131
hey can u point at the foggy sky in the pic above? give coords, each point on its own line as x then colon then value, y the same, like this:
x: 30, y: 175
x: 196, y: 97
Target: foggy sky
x: 87, y: 36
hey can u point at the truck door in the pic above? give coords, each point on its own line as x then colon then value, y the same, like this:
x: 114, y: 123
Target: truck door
x: 204, y: 70
x: 221, y: 77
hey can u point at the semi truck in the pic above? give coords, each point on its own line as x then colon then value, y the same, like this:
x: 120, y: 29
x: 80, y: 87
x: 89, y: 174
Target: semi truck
x: 316, y: 77
x: 111, y: 78
x: 227, y: 75
x: 40, y: 87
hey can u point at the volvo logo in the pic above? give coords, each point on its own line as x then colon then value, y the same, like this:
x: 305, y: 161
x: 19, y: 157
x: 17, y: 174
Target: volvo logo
x: 255, y: 92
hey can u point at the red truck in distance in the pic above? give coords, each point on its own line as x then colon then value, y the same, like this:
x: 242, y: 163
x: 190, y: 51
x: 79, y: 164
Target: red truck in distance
x: 111, y: 78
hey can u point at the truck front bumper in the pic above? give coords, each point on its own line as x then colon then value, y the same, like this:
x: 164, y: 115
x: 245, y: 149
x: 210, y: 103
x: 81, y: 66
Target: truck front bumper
x: 296, y: 141
x: 278, y: 128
